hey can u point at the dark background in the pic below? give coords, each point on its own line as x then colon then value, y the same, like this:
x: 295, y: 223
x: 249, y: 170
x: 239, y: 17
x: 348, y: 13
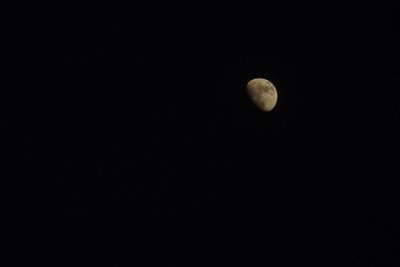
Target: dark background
x: 141, y: 118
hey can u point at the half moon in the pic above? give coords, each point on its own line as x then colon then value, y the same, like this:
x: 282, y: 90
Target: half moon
x: 263, y: 93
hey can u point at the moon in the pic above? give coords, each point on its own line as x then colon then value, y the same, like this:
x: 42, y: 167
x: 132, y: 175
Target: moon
x: 263, y: 93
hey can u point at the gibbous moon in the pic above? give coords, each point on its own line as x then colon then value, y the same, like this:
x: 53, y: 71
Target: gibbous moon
x: 263, y: 93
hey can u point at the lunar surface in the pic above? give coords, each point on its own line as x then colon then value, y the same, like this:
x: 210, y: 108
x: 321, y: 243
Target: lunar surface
x: 263, y: 93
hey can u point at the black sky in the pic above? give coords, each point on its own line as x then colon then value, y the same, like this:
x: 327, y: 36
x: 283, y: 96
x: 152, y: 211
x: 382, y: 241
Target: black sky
x: 148, y: 119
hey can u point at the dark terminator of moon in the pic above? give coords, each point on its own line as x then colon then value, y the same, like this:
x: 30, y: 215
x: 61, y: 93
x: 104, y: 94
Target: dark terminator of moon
x: 263, y: 93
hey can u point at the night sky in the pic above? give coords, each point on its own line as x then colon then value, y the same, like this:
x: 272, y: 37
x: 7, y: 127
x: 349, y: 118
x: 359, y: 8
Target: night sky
x: 147, y: 120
